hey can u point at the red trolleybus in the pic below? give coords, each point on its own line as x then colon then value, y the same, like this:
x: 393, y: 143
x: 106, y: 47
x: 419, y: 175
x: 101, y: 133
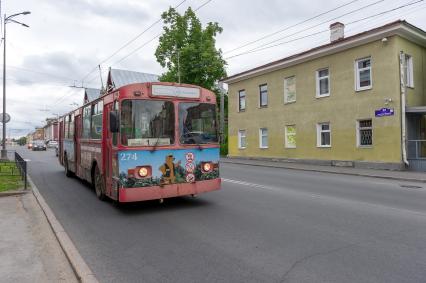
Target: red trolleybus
x: 144, y: 141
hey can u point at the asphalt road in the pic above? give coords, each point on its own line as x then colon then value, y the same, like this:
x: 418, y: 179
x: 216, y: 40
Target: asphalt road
x: 265, y: 225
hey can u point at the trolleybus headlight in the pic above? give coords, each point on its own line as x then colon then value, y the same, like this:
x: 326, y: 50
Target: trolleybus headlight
x: 207, y: 167
x: 144, y: 171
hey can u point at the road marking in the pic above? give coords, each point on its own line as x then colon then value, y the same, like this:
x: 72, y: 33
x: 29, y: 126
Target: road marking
x: 253, y: 185
x: 27, y: 160
x: 328, y: 198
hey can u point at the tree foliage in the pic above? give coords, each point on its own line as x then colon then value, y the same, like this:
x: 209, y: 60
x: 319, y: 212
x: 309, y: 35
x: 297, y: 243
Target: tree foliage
x: 184, y: 41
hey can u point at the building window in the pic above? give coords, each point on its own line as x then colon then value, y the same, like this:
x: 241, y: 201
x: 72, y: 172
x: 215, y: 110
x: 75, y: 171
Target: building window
x: 242, y: 139
x: 363, y: 74
x: 263, y: 138
x: 408, y: 71
x: 290, y: 136
x: 290, y: 89
x: 364, y: 133
x: 263, y: 95
x: 323, y: 83
x: 323, y: 135
x: 241, y: 100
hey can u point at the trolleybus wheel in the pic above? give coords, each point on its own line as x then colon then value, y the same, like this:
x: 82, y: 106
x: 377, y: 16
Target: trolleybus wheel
x: 68, y: 173
x: 98, y: 184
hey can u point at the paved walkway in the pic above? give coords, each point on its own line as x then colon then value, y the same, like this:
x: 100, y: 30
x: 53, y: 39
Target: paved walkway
x: 387, y: 174
x: 29, y: 251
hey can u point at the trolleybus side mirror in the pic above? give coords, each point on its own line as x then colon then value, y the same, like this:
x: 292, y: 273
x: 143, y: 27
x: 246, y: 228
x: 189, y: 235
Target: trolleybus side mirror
x: 113, y: 122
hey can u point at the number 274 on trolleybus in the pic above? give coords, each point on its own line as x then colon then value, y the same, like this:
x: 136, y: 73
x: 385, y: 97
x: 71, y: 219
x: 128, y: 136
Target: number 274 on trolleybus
x: 143, y: 142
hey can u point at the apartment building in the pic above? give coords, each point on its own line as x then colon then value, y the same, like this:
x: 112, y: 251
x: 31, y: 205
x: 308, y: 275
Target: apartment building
x: 357, y: 101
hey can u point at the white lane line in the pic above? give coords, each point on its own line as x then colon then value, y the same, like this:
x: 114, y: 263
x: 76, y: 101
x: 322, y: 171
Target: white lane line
x: 253, y: 185
x: 328, y: 198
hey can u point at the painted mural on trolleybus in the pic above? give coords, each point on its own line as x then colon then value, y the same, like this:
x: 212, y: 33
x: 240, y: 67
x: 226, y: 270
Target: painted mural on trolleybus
x: 143, y: 168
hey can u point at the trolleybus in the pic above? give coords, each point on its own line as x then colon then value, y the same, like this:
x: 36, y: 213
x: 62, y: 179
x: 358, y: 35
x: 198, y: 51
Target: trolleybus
x: 143, y: 142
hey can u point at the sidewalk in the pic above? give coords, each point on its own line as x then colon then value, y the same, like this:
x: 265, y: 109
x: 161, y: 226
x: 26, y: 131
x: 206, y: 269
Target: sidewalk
x: 29, y: 251
x: 386, y: 174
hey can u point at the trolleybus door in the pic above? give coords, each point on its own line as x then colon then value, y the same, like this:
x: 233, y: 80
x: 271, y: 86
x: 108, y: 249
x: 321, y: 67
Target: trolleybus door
x: 107, y: 154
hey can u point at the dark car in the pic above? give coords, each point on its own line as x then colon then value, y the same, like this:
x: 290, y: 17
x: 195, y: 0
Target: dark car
x: 39, y: 145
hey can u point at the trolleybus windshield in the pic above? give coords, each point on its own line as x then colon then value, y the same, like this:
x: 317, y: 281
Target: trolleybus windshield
x: 147, y: 123
x: 197, y: 123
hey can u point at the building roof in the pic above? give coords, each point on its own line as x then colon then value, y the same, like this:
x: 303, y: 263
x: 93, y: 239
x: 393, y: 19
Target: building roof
x: 401, y: 28
x: 118, y: 78
x: 91, y: 94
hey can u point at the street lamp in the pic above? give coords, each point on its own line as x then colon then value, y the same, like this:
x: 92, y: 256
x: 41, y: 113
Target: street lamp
x: 7, y: 20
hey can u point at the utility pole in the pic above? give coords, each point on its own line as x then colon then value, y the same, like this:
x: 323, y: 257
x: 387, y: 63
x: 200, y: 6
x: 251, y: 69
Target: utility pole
x: 5, y: 21
x: 222, y: 113
x: 3, y: 149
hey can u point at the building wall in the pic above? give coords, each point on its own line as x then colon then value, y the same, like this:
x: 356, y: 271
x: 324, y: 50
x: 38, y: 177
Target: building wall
x: 415, y: 96
x: 342, y: 108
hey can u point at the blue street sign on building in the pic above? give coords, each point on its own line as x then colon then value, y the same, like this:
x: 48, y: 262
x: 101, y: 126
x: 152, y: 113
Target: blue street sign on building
x: 384, y: 112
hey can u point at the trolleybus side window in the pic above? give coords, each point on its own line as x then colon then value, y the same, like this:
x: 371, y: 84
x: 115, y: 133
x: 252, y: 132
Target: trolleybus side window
x: 96, y: 121
x: 66, y: 126
x: 71, y: 126
x: 86, y: 122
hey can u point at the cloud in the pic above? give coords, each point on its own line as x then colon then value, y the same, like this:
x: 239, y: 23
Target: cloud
x: 52, y: 67
x: 127, y: 11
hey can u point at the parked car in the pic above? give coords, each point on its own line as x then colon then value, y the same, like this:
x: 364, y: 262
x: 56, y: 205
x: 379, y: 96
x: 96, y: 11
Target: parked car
x: 39, y: 145
x: 30, y: 145
x: 52, y: 144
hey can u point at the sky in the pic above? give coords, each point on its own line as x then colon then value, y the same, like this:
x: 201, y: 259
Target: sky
x: 68, y: 39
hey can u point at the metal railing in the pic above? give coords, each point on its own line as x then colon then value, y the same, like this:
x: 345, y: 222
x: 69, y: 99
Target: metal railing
x: 21, y: 164
x: 416, y: 149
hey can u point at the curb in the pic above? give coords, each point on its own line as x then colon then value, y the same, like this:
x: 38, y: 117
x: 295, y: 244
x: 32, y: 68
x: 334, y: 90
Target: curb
x: 14, y: 193
x: 331, y: 172
x: 81, y: 269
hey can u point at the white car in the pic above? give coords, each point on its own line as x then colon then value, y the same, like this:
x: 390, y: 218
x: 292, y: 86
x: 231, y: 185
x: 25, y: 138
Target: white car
x: 52, y: 144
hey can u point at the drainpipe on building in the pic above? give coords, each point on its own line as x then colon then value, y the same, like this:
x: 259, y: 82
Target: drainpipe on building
x: 403, y: 104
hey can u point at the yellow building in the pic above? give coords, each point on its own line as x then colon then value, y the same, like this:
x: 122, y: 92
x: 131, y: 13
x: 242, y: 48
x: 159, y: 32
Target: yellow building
x: 357, y: 101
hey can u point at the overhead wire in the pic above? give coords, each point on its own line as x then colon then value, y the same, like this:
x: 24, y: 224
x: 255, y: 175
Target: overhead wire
x: 309, y: 35
x: 157, y: 36
x: 291, y: 26
x: 145, y: 44
x: 309, y: 28
x: 129, y: 42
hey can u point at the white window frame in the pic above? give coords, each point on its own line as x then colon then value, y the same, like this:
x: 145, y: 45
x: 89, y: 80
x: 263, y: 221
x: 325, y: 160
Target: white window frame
x: 239, y: 102
x: 286, y: 134
x: 260, y: 137
x: 286, y: 101
x: 240, y: 135
x: 357, y: 77
x: 318, y: 79
x: 409, y: 76
x: 319, y: 131
x: 358, y: 133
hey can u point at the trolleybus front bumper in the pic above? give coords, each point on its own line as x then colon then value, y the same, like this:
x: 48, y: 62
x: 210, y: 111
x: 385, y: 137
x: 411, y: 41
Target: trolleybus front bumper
x: 168, y: 191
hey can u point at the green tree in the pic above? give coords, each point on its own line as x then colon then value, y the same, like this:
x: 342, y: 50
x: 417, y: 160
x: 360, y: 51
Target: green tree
x: 22, y: 140
x: 186, y: 44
